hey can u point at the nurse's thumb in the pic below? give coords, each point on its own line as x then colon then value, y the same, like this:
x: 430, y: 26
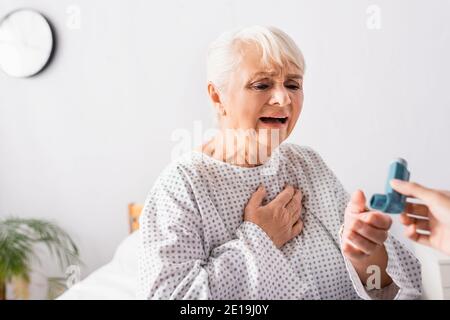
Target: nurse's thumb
x: 412, y: 189
x: 357, y: 202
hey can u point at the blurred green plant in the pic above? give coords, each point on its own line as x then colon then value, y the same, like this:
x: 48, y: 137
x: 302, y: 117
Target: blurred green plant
x: 18, y: 238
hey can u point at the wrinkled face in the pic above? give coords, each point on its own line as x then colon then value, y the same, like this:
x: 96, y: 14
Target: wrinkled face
x: 258, y: 97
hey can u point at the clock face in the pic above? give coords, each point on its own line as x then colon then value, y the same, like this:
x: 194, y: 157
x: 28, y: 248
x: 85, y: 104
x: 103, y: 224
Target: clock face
x: 26, y: 43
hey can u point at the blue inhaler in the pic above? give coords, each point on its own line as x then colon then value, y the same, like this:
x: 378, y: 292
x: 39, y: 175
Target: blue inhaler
x: 392, y: 201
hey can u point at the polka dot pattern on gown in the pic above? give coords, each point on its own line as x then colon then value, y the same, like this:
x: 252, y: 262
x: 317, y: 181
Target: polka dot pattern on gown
x: 195, y: 244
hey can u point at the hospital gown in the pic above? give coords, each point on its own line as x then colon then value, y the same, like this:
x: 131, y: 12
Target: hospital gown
x: 195, y: 244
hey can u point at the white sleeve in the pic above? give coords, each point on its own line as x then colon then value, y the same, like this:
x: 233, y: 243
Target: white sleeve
x: 174, y: 262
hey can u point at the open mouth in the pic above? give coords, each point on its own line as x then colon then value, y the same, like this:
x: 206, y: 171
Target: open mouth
x: 273, y: 120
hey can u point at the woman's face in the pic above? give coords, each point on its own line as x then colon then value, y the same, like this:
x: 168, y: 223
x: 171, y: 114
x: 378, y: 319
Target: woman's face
x: 258, y: 97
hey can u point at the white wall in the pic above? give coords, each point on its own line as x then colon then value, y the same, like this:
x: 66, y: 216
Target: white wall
x: 91, y: 133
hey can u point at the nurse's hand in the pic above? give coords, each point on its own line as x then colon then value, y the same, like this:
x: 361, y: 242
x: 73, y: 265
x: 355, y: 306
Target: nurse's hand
x: 281, y: 218
x: 364, y: 231
x: 433, y: 216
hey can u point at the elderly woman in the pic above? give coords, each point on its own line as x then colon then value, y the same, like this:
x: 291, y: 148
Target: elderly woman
x: 249, y: 217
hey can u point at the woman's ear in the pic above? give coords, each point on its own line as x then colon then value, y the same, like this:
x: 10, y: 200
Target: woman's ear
x: 215, y: 97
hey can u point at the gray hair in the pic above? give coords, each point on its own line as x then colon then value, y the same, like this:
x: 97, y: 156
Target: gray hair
x: 275, y: 45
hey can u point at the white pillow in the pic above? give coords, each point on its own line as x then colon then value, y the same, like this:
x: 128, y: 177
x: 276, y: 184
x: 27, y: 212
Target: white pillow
x: 126, y: 254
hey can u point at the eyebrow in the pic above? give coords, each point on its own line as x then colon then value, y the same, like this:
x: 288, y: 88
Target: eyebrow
x: 271, y: 74
x: 294, y: 76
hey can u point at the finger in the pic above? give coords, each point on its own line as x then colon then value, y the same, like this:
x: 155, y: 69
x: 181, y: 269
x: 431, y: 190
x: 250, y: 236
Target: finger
x: 351, y: 252
x: 405, y: 219
x: 417, y: 209
x: 444, y: 192
x: 377, y: 219
x: 294, y: 204
x: 284, y: 196
x: 296, y: 216
x: 361, y: 243
x: 412, y: 189
x: 357, y: 202
x: 421, y: 224
x: 411, y: 233
x: 375, y: 235
x: 257, y: 197
x: 297, y: 228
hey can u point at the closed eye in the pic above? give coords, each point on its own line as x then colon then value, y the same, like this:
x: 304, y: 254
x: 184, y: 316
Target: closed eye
x: 293, y: 87
x: 260, y: 86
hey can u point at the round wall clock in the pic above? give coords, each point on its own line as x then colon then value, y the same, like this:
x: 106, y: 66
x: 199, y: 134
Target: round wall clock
x: 26, y: 43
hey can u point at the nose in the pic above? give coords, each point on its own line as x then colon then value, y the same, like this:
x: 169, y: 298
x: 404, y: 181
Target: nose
x: 280, y: 96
